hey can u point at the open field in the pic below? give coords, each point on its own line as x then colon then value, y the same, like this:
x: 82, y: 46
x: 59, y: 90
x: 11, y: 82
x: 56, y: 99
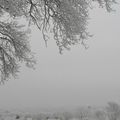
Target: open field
x: 110, y: 112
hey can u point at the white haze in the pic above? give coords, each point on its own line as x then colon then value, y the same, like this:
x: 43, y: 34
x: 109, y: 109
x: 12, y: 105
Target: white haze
x: 78, y: 77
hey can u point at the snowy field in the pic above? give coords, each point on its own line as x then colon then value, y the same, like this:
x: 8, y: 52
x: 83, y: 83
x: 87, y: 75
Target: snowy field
x: 110, y: 112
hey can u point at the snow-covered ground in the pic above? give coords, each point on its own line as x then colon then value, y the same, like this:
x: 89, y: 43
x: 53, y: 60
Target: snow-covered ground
x: 111, y: 112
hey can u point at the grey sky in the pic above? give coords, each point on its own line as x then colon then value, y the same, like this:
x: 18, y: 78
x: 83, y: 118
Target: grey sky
x: 78, y: 77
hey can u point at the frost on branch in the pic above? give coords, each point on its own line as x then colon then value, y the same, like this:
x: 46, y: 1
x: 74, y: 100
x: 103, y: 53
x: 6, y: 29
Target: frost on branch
x: 70, y: 21
x: 67, y: 19
x: 14, y: 48
x: 14, y: 7
x: 107, y: 4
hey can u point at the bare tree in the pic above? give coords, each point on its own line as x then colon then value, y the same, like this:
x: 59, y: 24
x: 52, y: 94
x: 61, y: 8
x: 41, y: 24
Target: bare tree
x: 13, y: 49
x: 100, y: 115
x: 113, y: 110
x: 67, y: 19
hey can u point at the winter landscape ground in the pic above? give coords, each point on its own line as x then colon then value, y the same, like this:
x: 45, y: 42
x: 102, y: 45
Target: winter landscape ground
x: 109, y: 112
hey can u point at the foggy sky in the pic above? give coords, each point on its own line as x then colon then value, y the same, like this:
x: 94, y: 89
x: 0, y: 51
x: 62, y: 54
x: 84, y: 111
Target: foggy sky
x: 78, y: 77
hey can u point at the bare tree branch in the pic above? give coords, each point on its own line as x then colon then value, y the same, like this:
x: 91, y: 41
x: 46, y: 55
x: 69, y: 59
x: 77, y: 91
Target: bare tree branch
x: 67, y: 19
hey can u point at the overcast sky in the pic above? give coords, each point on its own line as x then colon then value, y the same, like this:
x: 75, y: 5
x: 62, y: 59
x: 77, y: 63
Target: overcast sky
x: 78, y: 77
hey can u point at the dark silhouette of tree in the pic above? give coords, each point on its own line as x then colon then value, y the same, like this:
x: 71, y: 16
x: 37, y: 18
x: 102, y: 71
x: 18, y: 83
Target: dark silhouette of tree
x: 66, y: 18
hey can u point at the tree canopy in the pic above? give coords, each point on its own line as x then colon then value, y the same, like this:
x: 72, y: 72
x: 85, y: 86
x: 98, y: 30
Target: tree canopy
x: 67, y: 19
